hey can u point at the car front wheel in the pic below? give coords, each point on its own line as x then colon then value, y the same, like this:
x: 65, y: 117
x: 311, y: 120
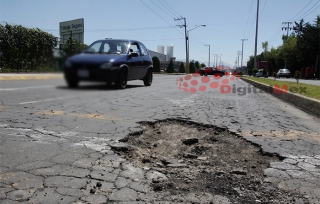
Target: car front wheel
x: 122, y: 79
x: 72, y: 82
x: 147, y: 79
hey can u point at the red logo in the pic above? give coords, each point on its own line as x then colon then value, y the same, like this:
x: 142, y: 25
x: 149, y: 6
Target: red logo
x: 195, y: 83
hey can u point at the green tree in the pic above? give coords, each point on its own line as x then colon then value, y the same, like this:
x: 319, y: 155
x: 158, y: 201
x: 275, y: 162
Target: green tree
x: 192, y: 66
x: 202, y: 65
x: 307, y: 51
x: 254, y: 71
x: 25, y: 48
x: 197, y: 65
x: 182, y: 68
x: 71, y: 47
x: 265, y: 46
x: 170, y: 68
x: 156, y: 64
x: 288, y: 51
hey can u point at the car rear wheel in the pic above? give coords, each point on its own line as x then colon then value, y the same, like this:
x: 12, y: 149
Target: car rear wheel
x: 122, y: 79
x: 147, y: 80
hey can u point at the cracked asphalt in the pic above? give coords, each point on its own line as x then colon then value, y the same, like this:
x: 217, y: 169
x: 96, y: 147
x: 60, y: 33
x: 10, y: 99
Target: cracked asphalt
x: 57, y: 143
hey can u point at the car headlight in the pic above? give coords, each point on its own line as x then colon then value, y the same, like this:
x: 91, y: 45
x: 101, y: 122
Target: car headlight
x: 106, y: 65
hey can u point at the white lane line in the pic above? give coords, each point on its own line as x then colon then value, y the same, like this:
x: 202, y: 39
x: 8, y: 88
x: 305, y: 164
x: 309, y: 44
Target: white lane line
x: 45, y: 100
x: 31, y: 87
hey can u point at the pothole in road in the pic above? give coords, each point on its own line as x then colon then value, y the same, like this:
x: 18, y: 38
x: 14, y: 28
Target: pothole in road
x: 203, y: 158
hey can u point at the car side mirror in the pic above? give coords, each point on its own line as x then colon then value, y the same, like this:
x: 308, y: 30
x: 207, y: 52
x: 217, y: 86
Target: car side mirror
x: 133, y: 54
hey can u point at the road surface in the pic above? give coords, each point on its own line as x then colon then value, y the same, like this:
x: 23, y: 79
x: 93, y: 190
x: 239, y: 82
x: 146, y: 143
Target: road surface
x: 56, y: 142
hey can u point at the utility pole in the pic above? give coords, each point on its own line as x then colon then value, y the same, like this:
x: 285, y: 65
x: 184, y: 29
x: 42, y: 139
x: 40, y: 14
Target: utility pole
x: 239, y: 53
x: 287, y: 28
x: 256, y: 38
x: 242, y: 51
x: 186, y: 38
x: 209, y: 55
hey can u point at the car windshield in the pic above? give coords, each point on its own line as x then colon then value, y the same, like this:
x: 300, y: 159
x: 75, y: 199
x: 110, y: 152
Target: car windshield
x: 108, y: 47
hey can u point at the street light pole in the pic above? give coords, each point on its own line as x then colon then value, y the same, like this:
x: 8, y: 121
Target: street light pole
x: 216, y: 59
x: 242, y: 51
x: 186, y: 39
x: 188, y: 52
x: 256, y: 38
x: 209, y: 55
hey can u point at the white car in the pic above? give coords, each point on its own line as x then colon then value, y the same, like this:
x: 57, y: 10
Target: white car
x: 260, y: 74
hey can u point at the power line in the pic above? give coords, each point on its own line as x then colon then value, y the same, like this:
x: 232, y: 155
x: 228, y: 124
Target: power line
x: 247, y: 19
x: 167, y: 8
x: 309, y: 10
x: 301, y: 10
x: 172, y: 8
x: 159, y: 15
x: 126, y: 29
x: 163, y: 10
x: 263, y: 8
x: 275, y: 36
x: 165, y: 39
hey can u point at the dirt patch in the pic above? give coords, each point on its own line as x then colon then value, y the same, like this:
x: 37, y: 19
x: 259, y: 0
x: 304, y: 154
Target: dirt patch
x: 203, y: 158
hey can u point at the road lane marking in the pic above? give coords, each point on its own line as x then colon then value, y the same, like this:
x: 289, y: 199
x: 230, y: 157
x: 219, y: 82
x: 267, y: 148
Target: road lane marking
x: 30, y: 87
x: 80, y: 115
x: 46, y: 100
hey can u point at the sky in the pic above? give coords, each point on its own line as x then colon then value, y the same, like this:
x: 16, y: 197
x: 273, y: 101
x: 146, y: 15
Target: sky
x: 154, y: 23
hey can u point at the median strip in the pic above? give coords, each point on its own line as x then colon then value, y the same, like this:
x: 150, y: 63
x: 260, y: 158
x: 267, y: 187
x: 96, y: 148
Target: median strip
x: 305, y: 103
x: 4, y: 77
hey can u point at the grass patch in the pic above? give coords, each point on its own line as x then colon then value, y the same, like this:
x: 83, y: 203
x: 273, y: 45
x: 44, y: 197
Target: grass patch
x: 312, y: 91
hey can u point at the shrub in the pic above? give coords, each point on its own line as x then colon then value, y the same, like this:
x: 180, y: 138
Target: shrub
x: 274, y: 74
x: 264, y: 72
x: 254, y: 71
x: 192, y: 67
x: 170, y: 68
x: 297, y: 75
x: 182, y: 68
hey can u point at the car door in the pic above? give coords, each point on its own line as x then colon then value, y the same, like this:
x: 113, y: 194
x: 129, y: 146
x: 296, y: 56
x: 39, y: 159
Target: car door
x: 136, y: 62
x: 147, y: 61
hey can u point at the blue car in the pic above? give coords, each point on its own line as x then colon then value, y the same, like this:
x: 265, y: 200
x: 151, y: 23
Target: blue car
x: 112, y: 61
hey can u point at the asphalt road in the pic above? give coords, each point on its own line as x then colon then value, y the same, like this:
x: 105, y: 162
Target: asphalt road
x: 56, y: 142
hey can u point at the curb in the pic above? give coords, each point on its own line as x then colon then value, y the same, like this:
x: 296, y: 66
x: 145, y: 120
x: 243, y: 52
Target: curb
x: 304, y: 103
x: 12, y: 77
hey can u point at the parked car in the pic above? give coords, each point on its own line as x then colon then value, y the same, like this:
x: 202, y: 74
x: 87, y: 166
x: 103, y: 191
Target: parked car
x: 209, y: 71
x: 113, y: 61
x: 283, y: 73
x: 260, y: 74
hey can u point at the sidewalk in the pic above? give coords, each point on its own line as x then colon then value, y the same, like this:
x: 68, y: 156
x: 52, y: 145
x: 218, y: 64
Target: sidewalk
x: 31, y: 76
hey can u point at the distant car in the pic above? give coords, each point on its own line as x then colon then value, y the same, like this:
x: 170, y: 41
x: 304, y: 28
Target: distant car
x: 283, y: 73
x: 210, y: 71
x: 260, y: 74
x: 113, y: 61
